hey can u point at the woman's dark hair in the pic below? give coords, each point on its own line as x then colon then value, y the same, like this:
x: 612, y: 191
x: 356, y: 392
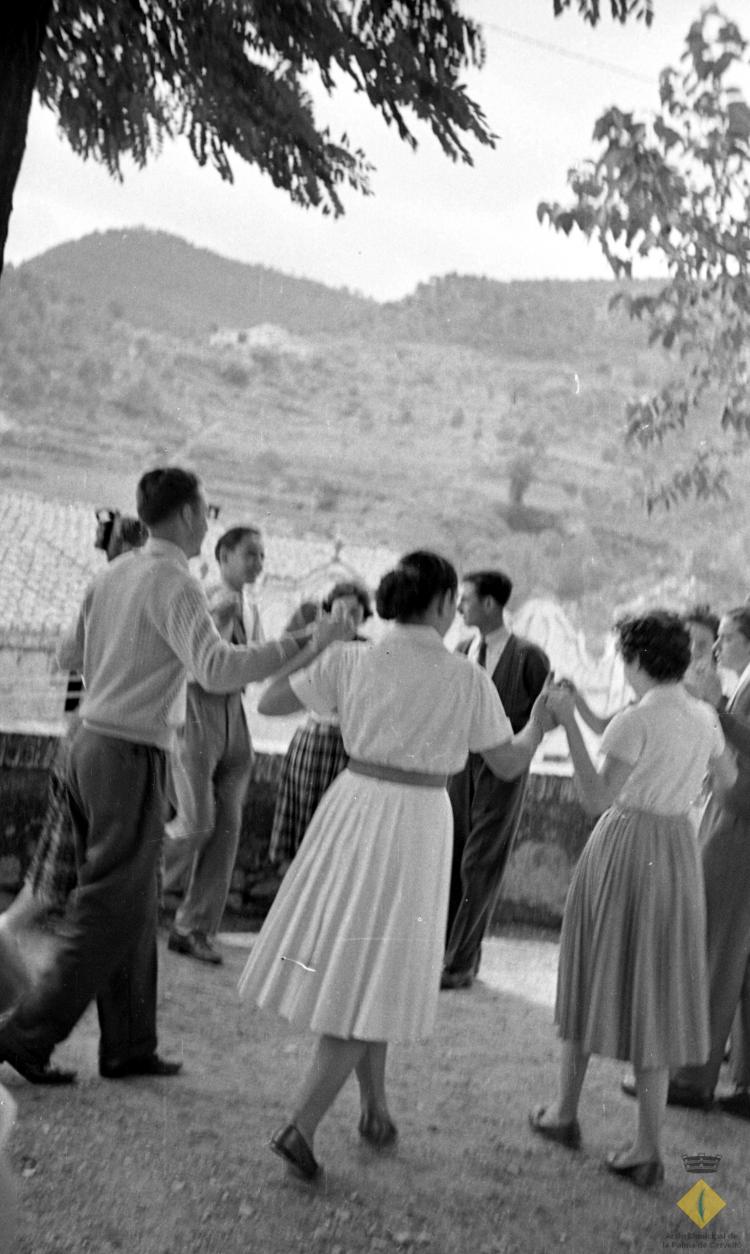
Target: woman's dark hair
x: 703, y: 616
x: 407, y: 591
x: 659, y: 641
x: 740, y: 616
x: 348, y: 589
x: 163, y: 491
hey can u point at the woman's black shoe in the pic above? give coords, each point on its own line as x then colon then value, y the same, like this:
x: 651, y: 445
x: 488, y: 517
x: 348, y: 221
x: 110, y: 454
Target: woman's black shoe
x: 378, y: 1130
x: 567, y: 1134
x: 290, y: 1144
x: 644, y: 1175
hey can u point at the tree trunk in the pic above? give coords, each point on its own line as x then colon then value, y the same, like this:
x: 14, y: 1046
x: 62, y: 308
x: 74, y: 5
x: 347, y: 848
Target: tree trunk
x: 23, y: 24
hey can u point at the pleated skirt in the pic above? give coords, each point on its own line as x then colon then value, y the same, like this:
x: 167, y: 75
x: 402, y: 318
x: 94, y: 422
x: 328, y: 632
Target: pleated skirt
x: 314, y: 758
x: 632, y: 976
x: 353, y: 944
x: 52, y: 873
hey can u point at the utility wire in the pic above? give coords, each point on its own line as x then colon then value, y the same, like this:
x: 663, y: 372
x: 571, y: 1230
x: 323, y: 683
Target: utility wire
x: 566, y: 52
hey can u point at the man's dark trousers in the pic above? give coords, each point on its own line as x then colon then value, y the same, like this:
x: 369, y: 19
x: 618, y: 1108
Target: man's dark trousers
x: 107, y: 947
x: 486, y: 814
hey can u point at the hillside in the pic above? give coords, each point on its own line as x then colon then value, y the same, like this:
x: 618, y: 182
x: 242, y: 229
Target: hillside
x: 482, y: 418
x: 159, y: 282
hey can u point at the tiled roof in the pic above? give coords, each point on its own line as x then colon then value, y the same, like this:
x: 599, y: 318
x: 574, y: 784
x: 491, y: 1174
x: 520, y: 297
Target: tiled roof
x: 47, y: 559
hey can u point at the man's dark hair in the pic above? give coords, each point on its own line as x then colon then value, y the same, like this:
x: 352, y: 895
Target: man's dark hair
x: 163, y: 491
x: 228, y: 542
x: 490, y: 583
x: 702, y: 616
x: 740, y: 616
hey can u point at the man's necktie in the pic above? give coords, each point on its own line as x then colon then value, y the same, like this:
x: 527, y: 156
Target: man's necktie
x: 481, y: 658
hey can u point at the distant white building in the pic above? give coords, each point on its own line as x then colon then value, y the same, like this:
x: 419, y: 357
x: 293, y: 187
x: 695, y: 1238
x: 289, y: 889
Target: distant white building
x: 264, y: 335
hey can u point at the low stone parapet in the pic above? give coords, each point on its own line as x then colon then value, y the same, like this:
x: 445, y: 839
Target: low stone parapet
x: 553, y: 831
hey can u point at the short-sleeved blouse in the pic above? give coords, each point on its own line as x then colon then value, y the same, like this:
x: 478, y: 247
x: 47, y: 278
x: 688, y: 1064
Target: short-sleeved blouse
x: 668, y: 738
x: 406, y: 701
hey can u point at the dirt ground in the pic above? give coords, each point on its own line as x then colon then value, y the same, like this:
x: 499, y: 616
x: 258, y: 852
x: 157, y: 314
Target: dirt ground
x: 182, y: 1166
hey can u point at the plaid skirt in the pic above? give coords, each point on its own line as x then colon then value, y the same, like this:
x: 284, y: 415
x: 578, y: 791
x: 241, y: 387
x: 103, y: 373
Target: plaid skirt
x: 52, y: 873
x: 314, y: 758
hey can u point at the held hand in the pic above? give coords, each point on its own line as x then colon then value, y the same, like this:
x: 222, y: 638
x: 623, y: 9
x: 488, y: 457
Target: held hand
x: 561, y: 702
x: 541, y: 713
x: 225, y: 606
x: 329, y: 628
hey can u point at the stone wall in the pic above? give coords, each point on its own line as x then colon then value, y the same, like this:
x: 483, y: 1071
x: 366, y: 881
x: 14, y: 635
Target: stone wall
x: 552, y: 834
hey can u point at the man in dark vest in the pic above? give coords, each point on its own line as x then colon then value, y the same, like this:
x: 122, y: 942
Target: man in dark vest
x: 487, y: 810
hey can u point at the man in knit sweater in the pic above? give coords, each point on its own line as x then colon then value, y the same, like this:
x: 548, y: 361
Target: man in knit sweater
x: 144, y: 624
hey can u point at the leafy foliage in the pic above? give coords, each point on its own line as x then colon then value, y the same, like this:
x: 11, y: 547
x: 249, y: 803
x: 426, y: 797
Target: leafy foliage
x: 677, y: 188
x: 231, y: 76
x: 621, y: 10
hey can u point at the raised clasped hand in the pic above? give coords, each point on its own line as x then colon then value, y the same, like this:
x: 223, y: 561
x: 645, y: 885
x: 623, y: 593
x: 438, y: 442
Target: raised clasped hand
x: 330, y: 627
x: 541, y: 713
x: 560, y: 701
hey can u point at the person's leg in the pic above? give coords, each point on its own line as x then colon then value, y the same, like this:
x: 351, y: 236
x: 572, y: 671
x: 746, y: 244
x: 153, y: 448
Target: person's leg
x: 493, y: 826
x: 573, y: 1064
x: 375, y: 1124
x: 460, y: 792
x: 740, y: 1051
x: 199, y: 748
x: 333, y: 1062
x: 127, y: 1003
x: 205, y: 898
x: 371, y: 1079
x: 120, y: 841
x: 651, y: 1090
x: 726, y: 869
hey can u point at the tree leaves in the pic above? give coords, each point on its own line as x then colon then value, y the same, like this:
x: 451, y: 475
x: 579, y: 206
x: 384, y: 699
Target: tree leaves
x: 676, y: 188
x: 232, y: 76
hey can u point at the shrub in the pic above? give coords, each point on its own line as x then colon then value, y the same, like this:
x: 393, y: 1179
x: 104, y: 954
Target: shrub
x: 235, y: 374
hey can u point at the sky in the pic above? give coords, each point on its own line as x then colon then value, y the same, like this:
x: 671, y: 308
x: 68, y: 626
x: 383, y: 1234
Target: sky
x: 545, y: 82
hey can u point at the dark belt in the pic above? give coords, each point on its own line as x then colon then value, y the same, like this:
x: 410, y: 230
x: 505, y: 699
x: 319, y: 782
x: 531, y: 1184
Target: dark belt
x: 393, y: 775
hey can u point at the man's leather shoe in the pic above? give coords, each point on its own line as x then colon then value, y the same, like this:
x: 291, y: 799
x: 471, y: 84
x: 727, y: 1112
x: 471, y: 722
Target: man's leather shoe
x: 456, y: 979
x: 567, y: 1134
x: 737, y: 1103
x: 290, y: 1145
x: 195, y: 945
x: 33, y: 1070
x: 677, y: 1095
x: 150, y: 1064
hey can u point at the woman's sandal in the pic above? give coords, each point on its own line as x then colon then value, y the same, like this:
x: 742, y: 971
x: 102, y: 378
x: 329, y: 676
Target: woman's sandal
x: 378, y: 1130
x: 645, y: 1175
x: 567, y: 1134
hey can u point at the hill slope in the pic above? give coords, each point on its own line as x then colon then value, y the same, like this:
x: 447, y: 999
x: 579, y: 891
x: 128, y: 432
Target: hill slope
x: 157, y: 281
x: 480, y: 418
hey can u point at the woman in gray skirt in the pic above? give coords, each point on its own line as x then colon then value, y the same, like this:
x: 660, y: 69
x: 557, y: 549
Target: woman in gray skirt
x: 632, y: 973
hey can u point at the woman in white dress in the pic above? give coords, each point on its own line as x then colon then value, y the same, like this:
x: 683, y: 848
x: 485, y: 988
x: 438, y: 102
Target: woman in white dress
x: 632, y: 980
x: 352, y: 946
